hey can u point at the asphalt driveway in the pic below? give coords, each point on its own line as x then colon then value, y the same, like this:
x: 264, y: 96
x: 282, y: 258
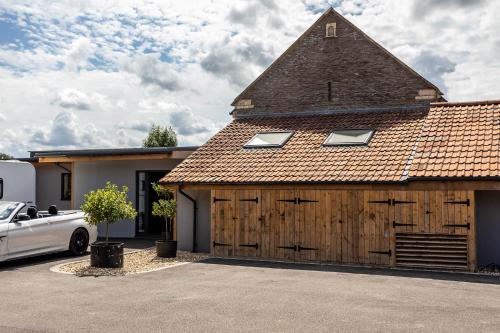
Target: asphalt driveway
x: 231, y: 296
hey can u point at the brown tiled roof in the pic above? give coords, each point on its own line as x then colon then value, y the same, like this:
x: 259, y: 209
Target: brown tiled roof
x: 459, y: 140
x: 303, y: 159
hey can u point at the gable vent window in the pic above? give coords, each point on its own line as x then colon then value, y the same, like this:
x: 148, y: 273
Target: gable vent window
x: 331, y: 30
x: 269, y: 140
x: 349, y: 137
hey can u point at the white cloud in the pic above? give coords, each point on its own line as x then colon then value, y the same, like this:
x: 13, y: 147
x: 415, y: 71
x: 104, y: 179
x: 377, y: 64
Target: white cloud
x: 129, y: 64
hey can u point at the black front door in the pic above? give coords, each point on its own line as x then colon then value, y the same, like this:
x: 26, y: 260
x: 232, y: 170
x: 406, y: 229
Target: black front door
x: 146, y: 223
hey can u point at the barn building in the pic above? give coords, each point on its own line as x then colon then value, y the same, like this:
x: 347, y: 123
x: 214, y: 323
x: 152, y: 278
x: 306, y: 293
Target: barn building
x: 341, y: 153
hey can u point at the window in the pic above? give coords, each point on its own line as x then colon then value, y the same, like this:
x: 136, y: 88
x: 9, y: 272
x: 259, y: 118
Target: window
x: 331, y: 30
x: 269, y: 140
x: 66, y: 186
x: 349, y: 137
x: 1, y: 188
x: 329, y: 91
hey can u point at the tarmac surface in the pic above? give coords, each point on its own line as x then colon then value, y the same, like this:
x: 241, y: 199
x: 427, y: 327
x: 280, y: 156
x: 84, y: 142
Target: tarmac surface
x: 244, y: 296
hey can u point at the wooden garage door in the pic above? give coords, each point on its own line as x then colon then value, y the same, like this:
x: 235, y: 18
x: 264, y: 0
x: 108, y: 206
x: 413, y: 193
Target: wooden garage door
x: 367, y: 227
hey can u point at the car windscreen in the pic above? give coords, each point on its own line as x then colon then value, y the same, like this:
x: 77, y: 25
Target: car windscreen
x: 6, y: 208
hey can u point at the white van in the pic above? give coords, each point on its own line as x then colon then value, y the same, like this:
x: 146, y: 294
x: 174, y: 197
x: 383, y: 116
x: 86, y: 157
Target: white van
x: 17, y: 182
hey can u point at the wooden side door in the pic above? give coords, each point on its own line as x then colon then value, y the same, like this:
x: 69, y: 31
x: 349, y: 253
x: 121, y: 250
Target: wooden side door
x: 223, y: 223
x: 247, y: 238
x: 278, y: 224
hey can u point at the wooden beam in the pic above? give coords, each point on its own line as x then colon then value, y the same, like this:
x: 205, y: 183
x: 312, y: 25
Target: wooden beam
x: 66, y: 159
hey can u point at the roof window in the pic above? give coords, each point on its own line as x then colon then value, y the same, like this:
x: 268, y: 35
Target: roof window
x: 349, y: 137
x: 269, y: 140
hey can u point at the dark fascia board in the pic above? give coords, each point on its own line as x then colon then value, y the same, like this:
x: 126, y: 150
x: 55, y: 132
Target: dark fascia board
x: 109, y: 152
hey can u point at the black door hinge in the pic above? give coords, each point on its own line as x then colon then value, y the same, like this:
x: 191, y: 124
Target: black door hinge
x: 289, y: 200
x: 399, y: 202
x: 458, y: 226
x: 388, y: 201
x: 299, y: 201
x: 387, y: 253
x: 465, y: 202
x: 217, y: 199
x: 395, y: 224
x: 301, y: 248
x: 220, y: 244
x: 294, y: 247
x: 255, y: 246
x: 256, y: 200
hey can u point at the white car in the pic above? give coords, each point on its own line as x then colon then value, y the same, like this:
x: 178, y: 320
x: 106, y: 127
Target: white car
x: 34, y: 233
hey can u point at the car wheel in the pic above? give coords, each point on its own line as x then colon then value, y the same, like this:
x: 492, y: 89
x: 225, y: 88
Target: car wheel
x: 79, y: 242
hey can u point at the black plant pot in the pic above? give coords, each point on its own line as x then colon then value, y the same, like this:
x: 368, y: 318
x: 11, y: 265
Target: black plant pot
x: 106, y: 254
x: 166, y: 248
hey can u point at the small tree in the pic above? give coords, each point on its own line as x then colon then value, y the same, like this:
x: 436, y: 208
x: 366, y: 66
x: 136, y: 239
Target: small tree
x: 107, y: 205
x: 165, y: 207
x: 161, y: 137
x: 5, y: 157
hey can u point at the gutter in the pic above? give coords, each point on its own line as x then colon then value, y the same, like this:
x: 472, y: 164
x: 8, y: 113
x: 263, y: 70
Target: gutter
x: 195, y: 220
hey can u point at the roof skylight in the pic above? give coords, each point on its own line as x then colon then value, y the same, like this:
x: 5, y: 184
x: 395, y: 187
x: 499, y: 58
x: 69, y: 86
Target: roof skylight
x: 269, y: 140
x: 349, y: 137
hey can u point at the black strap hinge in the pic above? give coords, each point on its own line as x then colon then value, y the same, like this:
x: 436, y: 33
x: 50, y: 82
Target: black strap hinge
x: 399, y: 202
x: 256, y: 200
x: 387, y: 253
x: 395, y: 224
x: 220, y: 244
x: 465, y: 202
x: 301, y: 248
x: 289, y: 200
x: 299, y: 201
x: 255, y: 246
x: 458, y: 226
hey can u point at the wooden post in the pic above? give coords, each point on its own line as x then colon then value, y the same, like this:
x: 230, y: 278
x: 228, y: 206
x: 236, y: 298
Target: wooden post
x: 472, y: 239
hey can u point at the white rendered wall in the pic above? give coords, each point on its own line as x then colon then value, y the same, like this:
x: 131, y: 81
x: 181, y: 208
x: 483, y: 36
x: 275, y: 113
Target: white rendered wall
x: 48, y: 186
x: 88, y: 176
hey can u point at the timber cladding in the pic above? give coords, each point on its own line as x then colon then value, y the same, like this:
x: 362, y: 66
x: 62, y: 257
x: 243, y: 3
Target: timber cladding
x: 429, y: 229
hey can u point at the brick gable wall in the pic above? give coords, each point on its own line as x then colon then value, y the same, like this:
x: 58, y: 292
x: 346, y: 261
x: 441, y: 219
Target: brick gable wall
x: 361, y: 73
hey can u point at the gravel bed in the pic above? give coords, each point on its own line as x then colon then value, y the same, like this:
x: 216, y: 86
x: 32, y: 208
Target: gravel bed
x: 492, y: 269
x: 133, y: 263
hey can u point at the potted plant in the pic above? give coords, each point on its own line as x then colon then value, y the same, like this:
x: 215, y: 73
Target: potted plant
x: 108, y: 205
x: 166, y: 208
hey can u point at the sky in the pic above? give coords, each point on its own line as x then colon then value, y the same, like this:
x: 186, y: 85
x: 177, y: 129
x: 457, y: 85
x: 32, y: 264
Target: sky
x: 97, y: 74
